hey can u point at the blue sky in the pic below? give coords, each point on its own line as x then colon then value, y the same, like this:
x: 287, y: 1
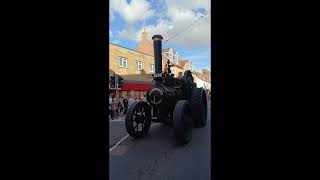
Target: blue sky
x: 165, y: 17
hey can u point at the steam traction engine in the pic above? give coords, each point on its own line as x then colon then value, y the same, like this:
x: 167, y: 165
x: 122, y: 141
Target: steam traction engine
x: 175, y: 101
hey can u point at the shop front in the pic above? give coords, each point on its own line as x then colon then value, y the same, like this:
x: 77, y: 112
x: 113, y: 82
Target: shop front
x: 132, y: 88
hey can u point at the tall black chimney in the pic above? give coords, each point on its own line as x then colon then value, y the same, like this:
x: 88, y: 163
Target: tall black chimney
x: 157, y: 45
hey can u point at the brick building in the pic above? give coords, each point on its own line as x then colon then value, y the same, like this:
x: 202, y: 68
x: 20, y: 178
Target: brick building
x: 135, y: 66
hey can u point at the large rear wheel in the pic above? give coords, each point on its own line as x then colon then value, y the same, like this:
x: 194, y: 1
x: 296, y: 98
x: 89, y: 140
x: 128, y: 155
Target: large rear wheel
x: 138, y: 119
x: 182, y: 122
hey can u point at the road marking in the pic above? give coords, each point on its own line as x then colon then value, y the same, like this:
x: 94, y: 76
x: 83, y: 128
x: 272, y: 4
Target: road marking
x: 125, y: 137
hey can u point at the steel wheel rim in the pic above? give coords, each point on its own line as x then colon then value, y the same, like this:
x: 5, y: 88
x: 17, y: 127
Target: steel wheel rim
x: 139, y: 118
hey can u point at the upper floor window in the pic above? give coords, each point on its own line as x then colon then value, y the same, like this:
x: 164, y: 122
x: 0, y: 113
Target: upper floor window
x: 123, y: 62
x: 139, y: 65
x: 152, y: 68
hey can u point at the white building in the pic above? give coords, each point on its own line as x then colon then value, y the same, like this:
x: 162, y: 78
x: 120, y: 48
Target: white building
x: 201, y: 83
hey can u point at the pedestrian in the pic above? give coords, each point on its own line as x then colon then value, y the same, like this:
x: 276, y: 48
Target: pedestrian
x: 110, y: 99
x: 121, y: 104
x: 112, y: 111
x: 125, y: 105
x: 130, y: 101
x: 117, y: 102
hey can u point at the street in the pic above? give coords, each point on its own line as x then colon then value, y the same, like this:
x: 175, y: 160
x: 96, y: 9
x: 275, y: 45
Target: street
x: 158, y: 156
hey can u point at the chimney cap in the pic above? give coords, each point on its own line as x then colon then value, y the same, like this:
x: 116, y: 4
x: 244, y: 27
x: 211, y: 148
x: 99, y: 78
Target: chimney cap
x: 157, y: 37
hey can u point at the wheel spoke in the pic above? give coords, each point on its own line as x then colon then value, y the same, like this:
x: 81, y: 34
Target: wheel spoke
x: 137, y: 115
x: 136, y: 120
x: 140, y: 116
x: 140, y: 126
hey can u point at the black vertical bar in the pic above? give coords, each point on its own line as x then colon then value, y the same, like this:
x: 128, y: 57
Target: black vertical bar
x: 157, y: 45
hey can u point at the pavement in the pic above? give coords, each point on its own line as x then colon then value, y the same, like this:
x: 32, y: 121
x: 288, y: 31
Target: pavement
x: 158, y: 156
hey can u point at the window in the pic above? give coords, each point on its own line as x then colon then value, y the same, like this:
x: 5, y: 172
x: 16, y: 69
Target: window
x: 139, y: 65
x: 152, y: 68
x: 123, y: 62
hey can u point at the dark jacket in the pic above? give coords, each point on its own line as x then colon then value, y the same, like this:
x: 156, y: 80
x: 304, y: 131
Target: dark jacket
x: 125, y: 102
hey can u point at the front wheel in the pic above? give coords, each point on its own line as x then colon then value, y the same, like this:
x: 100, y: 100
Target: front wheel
x: 182, y: 122
x: 138, y: 119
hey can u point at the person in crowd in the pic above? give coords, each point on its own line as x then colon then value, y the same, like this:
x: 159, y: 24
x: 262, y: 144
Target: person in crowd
x: 125, y: 105
x: 130, y: 101
x: 113, y: 109
x: 116, y: 107
x: 120, y: 104
x: 110, y: 99
x: 117, y: 101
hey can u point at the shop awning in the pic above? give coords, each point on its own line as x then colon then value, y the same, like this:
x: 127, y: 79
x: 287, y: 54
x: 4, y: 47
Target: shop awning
x: 137, y: 85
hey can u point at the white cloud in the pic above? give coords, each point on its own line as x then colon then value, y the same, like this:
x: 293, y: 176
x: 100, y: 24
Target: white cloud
x: 111, y: 16
x: 189, y: 4
x: 115, y: 42
x: 179, y: 14
x: 110, y: 33
x: 198, y: 36
x: 134, y: 11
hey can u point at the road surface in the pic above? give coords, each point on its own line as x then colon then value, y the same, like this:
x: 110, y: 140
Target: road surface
x: 158, y: 156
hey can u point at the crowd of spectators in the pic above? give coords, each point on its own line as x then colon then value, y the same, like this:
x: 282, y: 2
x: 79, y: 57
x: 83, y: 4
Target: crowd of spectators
x: 118, y: 105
